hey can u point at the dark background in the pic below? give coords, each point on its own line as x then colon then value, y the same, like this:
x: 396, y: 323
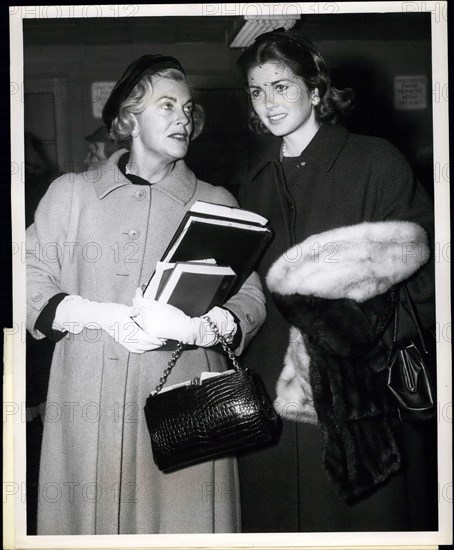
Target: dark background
x: 62, y: 57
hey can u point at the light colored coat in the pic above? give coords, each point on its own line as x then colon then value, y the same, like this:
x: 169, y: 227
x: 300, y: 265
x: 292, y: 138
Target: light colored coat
x: 99, y: 236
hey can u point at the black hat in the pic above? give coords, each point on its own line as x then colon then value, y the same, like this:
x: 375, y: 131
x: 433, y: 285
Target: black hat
x: 145, y: 65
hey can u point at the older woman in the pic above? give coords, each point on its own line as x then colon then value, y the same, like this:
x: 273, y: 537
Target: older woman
x: 96, y: 238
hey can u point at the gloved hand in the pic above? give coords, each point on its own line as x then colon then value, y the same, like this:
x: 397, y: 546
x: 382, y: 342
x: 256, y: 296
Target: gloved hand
x: 167, y: 321
x: 74, y: 313
x: 225, y: 322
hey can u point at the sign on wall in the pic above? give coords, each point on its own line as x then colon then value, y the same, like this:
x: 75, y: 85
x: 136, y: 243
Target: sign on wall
x: 410, y: 92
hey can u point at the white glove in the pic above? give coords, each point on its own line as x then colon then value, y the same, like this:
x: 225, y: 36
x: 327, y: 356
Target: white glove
x: 74, y: 313
x: 166, y: 321
x: 225, y: 322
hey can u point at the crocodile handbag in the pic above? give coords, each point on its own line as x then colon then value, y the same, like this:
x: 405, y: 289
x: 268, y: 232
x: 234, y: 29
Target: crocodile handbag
x: 412, y: 369
x: 209, y: 418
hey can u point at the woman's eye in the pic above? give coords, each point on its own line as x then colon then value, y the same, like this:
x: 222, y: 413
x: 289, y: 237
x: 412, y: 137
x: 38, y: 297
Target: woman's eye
x: 255, y: 94
x: 167, y: 106
x: 189, y: 109
x: 280, y: 88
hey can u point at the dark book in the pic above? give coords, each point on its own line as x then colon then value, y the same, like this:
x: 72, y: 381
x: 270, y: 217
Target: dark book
x: 158, y: 279
x: 195, y: 288
x: 232, y: 236
x: 212, y: 253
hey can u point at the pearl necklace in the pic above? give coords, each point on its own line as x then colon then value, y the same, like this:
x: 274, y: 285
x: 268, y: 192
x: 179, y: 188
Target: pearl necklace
x: 285, y: 152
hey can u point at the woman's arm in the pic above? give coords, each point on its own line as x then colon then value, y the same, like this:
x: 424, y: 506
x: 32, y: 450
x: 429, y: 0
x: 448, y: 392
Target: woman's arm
x: 45, y: 250
x: 248, y: 304
x: 53, y: 311
x: 403, y: 198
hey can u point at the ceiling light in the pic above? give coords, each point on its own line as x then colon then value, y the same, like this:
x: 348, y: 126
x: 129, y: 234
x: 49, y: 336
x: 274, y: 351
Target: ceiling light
x: 253, y: 27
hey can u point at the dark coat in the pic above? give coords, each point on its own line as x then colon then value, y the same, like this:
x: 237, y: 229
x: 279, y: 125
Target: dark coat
x: 340, y: 179
x: 341, y: 302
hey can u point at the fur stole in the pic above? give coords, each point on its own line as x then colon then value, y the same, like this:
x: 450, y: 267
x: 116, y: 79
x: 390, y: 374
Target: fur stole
x: 336, y: 290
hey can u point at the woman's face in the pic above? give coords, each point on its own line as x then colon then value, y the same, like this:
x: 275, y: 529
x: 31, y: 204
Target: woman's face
x: 280, y: 98
x: 165, y: 126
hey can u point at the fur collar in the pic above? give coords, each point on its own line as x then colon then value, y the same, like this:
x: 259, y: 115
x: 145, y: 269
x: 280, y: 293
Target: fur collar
x: 355, y: 262
x: 294, y: 399
x: 333, y: 288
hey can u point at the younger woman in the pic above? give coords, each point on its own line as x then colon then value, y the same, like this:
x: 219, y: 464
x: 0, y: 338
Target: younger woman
x: 350, y: 223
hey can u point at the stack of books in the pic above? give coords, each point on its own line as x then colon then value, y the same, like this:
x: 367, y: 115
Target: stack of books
x: 212, y: 253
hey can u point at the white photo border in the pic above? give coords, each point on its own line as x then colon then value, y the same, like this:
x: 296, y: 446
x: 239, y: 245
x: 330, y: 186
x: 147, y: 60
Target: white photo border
x: 14, y: 449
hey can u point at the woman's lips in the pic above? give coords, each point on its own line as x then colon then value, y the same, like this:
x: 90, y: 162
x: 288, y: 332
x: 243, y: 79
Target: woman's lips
x: 274, y: 119
x: 179, y: 137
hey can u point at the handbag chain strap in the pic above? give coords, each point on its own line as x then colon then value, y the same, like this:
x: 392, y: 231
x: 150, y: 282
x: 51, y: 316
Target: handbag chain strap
x: 175, y: 356
x: 225, y: 346
x: 414, y: 316
x: 179, y: 350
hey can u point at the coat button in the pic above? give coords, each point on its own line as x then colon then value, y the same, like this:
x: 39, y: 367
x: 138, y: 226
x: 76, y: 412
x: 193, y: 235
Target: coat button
x: 134, y: 234
x: 36, y: 296
x: 140, y: 194
x: 249, y: 318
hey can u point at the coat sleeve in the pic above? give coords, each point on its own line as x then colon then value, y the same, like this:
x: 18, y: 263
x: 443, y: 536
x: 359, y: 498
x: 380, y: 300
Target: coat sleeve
x: 249, y: 303
x: 45, y: 248
x: 403, y: 198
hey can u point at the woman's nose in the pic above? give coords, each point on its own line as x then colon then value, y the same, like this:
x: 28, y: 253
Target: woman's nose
x: 269, y: 99
x: 183, y: 117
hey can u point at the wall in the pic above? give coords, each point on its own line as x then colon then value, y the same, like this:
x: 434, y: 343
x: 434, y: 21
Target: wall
x: 366, y: 63
x: 211, y: 73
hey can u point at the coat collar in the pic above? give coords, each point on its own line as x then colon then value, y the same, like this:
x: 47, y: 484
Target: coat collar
x: 323, y: 149
x: 179, y: 185
x: 325, y: 146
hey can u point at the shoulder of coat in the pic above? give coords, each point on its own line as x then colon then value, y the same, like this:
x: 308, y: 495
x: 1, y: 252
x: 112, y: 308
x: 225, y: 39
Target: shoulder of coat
x: 62, y: 185
x: 80, y: 179
x: 70, y: 188
x: 214, y: 193
x: 375, y: 144
x: 378, y: 153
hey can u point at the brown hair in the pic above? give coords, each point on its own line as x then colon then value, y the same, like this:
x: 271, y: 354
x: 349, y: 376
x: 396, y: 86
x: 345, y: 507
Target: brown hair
x: 301, y: 56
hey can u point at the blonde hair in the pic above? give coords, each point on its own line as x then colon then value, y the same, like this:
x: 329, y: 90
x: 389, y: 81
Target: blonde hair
x: 137, y: 101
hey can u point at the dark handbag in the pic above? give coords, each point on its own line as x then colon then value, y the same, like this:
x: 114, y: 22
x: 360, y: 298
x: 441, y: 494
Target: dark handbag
x: 412, y: 370
x: 203, y: 420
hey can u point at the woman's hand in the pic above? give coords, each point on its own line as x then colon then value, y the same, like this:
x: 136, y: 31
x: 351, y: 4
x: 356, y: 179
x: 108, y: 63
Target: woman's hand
x: 75, y: 313
x: 225, y: 322
x: 166, y: 321
x: 160, y: 320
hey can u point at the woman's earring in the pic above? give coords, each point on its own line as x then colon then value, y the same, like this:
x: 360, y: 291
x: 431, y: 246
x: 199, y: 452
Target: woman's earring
x: 134, y: 133
x: 315, y: 99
